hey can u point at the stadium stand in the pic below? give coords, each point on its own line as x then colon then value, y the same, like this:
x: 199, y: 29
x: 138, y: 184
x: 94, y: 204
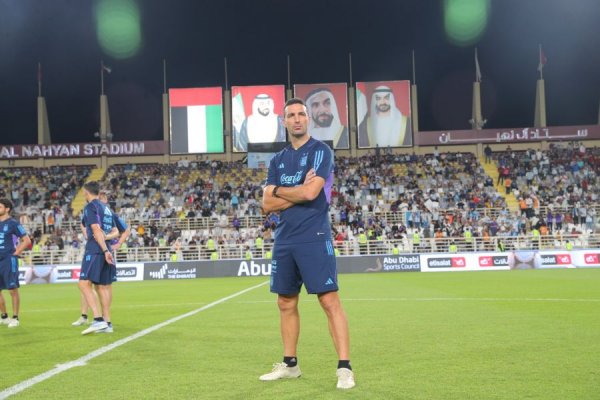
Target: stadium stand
x: 435, y: 202
x: 42, y: 196
x: 563, y: 181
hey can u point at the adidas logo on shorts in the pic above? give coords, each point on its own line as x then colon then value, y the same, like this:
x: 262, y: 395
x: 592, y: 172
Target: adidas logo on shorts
x: 329, y: 282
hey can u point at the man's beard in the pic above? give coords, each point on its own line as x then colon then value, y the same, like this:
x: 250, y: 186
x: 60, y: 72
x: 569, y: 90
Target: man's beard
x: 382, y: 108
x: 264, y: 111
x: 323, y: 120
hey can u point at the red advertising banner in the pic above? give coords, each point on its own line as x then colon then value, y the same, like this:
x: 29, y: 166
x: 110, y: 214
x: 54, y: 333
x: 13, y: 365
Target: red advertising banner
x: 508, y: 135
x: 70, y: 150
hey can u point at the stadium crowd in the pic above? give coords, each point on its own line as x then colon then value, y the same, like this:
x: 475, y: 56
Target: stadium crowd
x: 407, y: 198
x: 563, y: 179
x: 42, y: 196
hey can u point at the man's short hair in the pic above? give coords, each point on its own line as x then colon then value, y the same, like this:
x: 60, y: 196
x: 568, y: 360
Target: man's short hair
x: 294, y: 100
x: 93, y: 187
x: 6, y: 203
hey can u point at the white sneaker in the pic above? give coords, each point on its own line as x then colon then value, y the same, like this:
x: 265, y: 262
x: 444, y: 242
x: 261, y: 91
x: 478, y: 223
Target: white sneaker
x: 95, y: 326
x: 4, y: 321
x: 108, y: 329
x: 281, y: 371
x: 80, y: 321
x: 13, y: 323
x: 345, y: 378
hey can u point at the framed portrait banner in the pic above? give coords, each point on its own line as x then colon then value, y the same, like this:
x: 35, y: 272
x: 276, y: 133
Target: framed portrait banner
x: 257, y: 115
x: 383, y: 114
x: 327, y: 105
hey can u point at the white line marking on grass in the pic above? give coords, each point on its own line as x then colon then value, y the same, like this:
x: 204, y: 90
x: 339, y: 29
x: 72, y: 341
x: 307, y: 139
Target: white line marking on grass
x: 491, y: 299
x: 80, y: 362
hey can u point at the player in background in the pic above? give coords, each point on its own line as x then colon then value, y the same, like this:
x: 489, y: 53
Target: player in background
x: 299, y: 185
x: 97, y: 267
x: 120, y: 229
x: 13, y: 240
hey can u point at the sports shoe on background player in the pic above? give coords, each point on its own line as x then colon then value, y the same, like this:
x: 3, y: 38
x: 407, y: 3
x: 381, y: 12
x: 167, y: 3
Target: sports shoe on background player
x: 345, y: 378
x: 4, y: 321
x: 281, y: 371
x: 108, y: 329
x: 80, y: 321
x: 13, y: 323
x: 95, y: 326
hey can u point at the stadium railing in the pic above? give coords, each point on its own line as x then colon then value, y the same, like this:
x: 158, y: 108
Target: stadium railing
x: 208, y: 223
x: 346, y: 248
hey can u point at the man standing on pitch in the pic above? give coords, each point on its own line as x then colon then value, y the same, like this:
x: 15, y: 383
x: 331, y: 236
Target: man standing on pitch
x: 11, y: 234
x: 122, y: 231
x: 299, y: 186
x: 97, y: 266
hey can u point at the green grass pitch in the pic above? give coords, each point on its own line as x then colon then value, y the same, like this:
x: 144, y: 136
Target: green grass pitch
x: 472, y: 335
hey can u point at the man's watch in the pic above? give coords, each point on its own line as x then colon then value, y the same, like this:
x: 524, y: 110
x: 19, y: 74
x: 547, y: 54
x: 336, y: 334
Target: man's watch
x: 107, y: 251
x: 275, y: 191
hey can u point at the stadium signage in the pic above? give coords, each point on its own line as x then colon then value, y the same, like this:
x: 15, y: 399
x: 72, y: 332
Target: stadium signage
x: 493, y: 261
x: 254, y: 269
x: 70, y: 273
x: 592, y: 258
x: 65, y: 274
x: 167, y: 271
x: 555, y: 259
x: 126, y: 272
x: 509, y: 135
x: 83, y: 149
x: 130, y: 272
x: 402, y: 263
x: 447, y: 262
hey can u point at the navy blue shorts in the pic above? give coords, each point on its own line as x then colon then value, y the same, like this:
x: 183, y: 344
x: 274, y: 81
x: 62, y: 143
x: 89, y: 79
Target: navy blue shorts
x: 311, y: 264
x: 94, y: 268
x: 9, y: 272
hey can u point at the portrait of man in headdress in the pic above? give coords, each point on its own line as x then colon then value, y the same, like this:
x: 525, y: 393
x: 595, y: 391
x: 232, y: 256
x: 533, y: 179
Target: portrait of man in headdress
x: 263, y: 125
x: 325, y: 121
x: 384, y: 124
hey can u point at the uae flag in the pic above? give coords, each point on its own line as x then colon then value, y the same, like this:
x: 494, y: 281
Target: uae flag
x: 361, y: 103
x: 196, y: 120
